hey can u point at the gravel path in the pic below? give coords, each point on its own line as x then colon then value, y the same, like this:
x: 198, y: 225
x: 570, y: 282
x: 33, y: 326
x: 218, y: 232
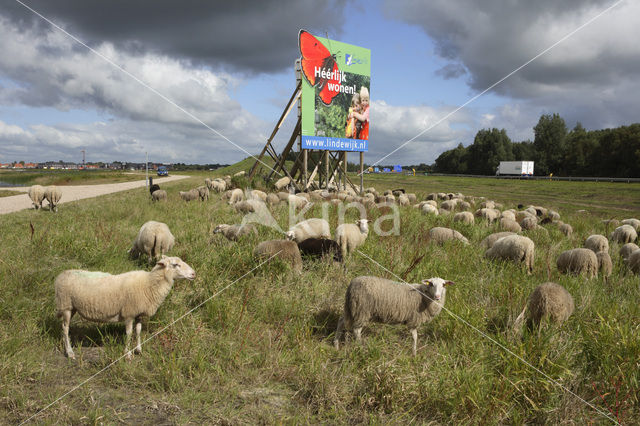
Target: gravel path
x: 73, y: 193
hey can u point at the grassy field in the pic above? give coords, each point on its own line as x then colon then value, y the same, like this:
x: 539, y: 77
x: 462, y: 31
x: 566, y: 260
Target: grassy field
x: 257, y: 346
x: 67, y: 177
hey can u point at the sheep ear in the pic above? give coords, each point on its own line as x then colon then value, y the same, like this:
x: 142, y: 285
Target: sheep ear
x: 164, y: 261
x: 426, y: 282
x: 448, y: 283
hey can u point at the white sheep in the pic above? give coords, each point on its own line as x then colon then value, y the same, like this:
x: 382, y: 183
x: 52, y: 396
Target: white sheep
x: 565, y: 228
x: 102, y: 297
x: 154, y: 239
x: 310, y: 228
x: 597, y: 243
x: 351, y: 236
x: 53, y: 196
x: 633, y: 222
x: 624, y: 234
x: 577, y: 261
x: 235, y: 196
x: 285, y: 250
x: 517, y: 248
x: 548, y: 300
x: 190, y: 195
x: 633, y: 262
x: 282, y: 183
x: 528, y: 223
x: 627, y: 249
x: 491, y: 239
x: 490, y: 215
x: 605, y: 265
x: 203, y: 192
x: 256, y: 194
x: 296, y: 201
x: 159, y: 195
x: 440, y: 235
x: 235, y: 232
x: 36, y: 193
x: 510, y: 225
x: 429, y: 209
x: 464, y: 217
x: 381, y: 300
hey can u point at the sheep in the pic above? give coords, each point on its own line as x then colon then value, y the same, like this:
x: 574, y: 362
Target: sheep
x: 633, y: 262
x: 508, y: 214
x: 282, y: 183
x: 412, y: 198
x: 488, y: 205
x: 514, y: 247
x: 256, y: 194
x: 577, y: 261
x: 633, y: 222
x: 218, y: 185
x: 153, y: 186
x: 429, y: 209
x: 380, y: 300
x: 209, y: 183
x: 190, y: 195
x: 624, y: 234
x: 463, y: 205
x: 247, y: 206
x: 627, y: 249
x: 285, y: 250
x: 241, y: 173
x: 553, y: 215
x: 159, y: 195
x: 36, y: 193
x: 565, y: 228
x: 439, y: 235
x: 464, y: 217
x: 53, y: 195
x: 490, y: 239
x: 310, y: 228
x: 490, y: 215
x: 203, y: 193
x: 605, y: 265
x: 510, y: 225
x: 403, y: 200
x: 235, y: 196
x: 597, y: 243
x: 272, y: 199
x: 319, y: 247
x: 296, y: 201
x: 529, y: 223
x: 351, y: 236
x: 235, y: 232
x: 548, y: 300
x: 449, y: 205
x: 154, y: 239
x: 102, y: 297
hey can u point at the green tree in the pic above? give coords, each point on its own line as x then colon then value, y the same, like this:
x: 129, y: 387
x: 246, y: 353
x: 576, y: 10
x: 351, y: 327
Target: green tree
x: 549, y: 142
x: 452, y: 161
x: 523, y: 151
x: 488, y: 149
x: 579, y: 154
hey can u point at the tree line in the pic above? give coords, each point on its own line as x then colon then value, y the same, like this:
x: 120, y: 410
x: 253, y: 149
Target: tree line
x: 579, y: 152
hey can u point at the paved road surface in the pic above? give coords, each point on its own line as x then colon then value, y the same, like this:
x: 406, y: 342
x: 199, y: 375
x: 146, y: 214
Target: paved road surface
x: 73, y: 193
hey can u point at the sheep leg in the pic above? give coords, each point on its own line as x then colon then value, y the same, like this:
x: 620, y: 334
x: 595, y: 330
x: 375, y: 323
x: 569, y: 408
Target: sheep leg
x: 66, y: 320
x: 339, y: 331
x: 414, y: 334
x: 128, y: 323
x: 138, y: 349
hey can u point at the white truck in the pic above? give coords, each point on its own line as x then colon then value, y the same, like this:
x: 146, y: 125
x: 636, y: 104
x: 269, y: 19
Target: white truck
x: 520, y: 168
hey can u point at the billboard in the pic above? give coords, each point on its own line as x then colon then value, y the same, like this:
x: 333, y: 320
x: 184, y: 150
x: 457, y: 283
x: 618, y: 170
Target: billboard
x: 335, y: 98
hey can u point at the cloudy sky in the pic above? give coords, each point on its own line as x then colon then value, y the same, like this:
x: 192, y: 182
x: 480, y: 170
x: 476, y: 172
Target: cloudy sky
x: 205, y: 82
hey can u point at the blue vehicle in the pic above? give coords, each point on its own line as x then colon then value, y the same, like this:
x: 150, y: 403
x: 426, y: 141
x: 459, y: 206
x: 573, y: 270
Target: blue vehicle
x: 162, y: 171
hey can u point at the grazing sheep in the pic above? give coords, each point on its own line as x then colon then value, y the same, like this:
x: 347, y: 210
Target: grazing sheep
x: 190, y: 195
x: 487, y: 205
x: 159, y: 195
x: 381, y: 300
x: 296, y: 201
x: 627, y: 249
x: 256, y: 194
x: 633, y: 222
x: 605, y: 265
x: 403, y: 200
x: 464, y: 217
x: 577, y: 261
x: 429, y: 209
x: 490, y: 215
x: 310, y: 228
x: 566, y: 229
x: 285, y: 250
x: 320, y: 247
x: 463, y: 205
x: 218, y: 185
x: 241, y: 173
x: 548, y: 300
x: 553, y: 215
x: 282, y: 183
x: 154, y: 239
x: 490, y: 239
x: 439, y: 235
x: 510, y: 225
x: 203, y: 193
x: 102, y: 297
x: 273, y: 199
x: 633, y: 262
x: 508, y: 214
x: 247, y: 206
x: 412, y: 198
x: 624, y: 234
x: 235, y: 232
x: 351, y: 236
x: 209, y: 183
x: 597, y: 243
x: 53, y: 195
x: 514, y: 247
x: 529, y: 223
x: 36, y: 193
x: 235, y: 196
x: 449, y: 205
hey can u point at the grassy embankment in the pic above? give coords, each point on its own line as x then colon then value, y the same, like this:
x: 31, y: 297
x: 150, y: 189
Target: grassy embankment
x: 260, y: 350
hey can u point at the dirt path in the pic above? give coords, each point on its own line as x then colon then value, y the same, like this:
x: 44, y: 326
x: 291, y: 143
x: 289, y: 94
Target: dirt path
x: 74, y: 192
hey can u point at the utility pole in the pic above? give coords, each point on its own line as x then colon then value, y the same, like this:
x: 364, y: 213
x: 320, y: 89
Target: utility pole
x: 83, y: 158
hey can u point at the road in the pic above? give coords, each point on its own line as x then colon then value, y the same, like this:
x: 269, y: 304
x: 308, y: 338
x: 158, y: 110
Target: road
x: 74, y: 193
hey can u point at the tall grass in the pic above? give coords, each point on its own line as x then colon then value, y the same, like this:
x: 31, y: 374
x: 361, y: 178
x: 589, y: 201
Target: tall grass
x: 260, y: 351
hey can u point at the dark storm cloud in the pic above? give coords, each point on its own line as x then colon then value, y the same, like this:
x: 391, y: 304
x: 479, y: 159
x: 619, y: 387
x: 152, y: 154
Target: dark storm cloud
x: 250, y: 36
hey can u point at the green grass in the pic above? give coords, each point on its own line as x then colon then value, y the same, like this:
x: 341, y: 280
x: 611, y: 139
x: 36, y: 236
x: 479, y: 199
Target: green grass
x: 67, y: 177
x: 260, y: 351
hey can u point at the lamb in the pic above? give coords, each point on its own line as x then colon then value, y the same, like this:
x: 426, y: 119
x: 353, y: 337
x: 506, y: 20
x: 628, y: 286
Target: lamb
x: 310, y: 228
x: 514, y: 247
x: 285, y: 250
x: 235, y: 196
x: 627, y: 249
x: 464, y: 217
x: 154, y: 239
x: 235, y: 232
x: 319, y: 247
x: 53, y: 195
x: 605, y: 265
x: 548, y: 300
x: 597, y: 243
x: 577, y: 261
x: 624, y: 234
x: 36, y: 193
x: 491, y: 239
x: 190, y: 195
x: 203, y: 193
x: 510, y: 225
x: 159, y: 195
x: 351, y: 236
x: 439, y: 235
x: 102, y: 297
x: 633, y: 222
x: 377, y: 299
